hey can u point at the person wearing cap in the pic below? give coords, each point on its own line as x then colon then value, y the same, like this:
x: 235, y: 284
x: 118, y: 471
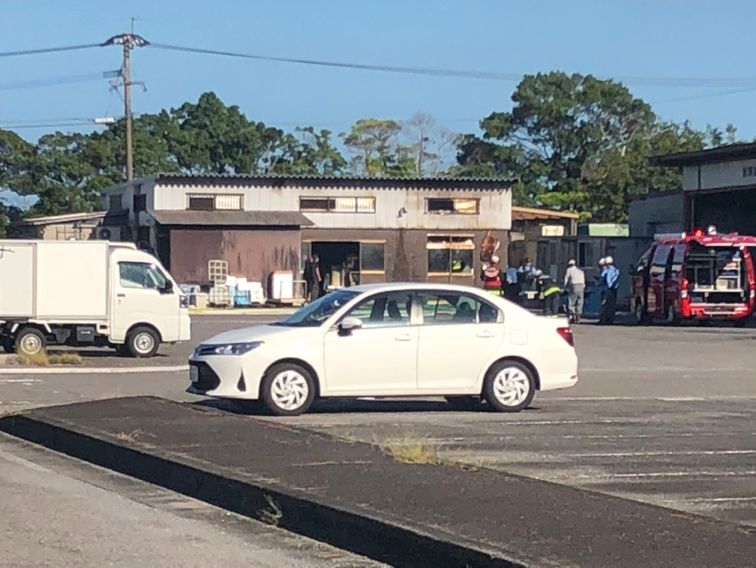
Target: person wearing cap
x: 610, y: 281
x: 574, y: 283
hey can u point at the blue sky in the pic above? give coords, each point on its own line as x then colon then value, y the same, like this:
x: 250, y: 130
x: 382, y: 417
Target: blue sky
x: 642, y: 38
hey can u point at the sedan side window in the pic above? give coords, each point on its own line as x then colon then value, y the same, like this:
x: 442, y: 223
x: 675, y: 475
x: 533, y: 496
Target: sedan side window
x: 384, y: 310
x: 455, y: 308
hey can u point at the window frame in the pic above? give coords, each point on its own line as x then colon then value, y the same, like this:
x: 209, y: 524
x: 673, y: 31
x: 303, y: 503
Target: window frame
x: 453, y: 211
x: 452, y: 243
x: 330, y: 204
x: 214, y: 197
x: 372, y: 297
x: 372, y: 270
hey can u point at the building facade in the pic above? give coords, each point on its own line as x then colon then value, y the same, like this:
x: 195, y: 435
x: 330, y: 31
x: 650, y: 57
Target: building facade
x: 73, y: 226
x: 363, y: 229
x: 718, y: 187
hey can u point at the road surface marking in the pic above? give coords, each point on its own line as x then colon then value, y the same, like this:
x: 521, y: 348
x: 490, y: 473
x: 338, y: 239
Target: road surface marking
x: 670, y: 453
x: 661, y: 474
x: 26, y: 381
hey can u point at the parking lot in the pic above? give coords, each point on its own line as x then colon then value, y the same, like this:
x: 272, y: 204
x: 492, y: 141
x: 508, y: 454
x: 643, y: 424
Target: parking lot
x: 663, y: 415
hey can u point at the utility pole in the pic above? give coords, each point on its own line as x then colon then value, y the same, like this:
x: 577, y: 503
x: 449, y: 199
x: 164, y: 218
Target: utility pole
x: 128, y: 41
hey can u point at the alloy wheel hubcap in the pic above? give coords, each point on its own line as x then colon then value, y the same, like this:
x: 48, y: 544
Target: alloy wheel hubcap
x: 289, y: 390
x: 31, y: 344
x: 144, y: 343
x: 511, y: 386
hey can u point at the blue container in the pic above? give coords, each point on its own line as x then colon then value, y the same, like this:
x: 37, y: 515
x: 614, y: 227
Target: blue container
x: 243, y: 299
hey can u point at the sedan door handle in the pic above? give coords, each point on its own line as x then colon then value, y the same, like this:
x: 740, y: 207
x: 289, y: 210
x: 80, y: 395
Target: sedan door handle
x: 120, y: 295
x: 403, y: 337
x: 484, y: 334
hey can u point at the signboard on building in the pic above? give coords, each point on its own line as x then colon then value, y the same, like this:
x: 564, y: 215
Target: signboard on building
x: 552, y: 230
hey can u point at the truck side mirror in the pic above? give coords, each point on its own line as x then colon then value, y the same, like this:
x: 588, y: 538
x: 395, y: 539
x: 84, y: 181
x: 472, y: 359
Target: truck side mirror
x: 167, y: 288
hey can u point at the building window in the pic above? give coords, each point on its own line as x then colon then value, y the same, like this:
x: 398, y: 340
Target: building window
x: 114, y: 203
x: 372, y: 257
x: 451, y: 206
x: 215, y: 202
x: 586, y: 254
x: 337, y: 204
x: 450, y: 255
x: 140, y: 203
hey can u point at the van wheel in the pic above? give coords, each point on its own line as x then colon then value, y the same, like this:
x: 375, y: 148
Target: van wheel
x: 288, y: 389
x: 142, y: 342
x: 509, y: 386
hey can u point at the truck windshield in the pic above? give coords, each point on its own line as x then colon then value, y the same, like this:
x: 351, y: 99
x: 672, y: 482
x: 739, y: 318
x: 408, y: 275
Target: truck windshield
x: 315, y: 313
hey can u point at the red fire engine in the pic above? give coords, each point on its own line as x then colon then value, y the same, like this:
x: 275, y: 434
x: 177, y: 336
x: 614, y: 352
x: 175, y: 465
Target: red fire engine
x: 699, y: 275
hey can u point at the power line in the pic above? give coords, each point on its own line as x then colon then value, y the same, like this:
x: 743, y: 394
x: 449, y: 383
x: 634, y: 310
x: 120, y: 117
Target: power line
x: 51, y: 82
x: 48, y: 50
x: 460, y: 73
x: 704, y: 96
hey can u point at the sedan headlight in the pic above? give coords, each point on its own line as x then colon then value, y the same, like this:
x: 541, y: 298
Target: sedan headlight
x: 227, y: 348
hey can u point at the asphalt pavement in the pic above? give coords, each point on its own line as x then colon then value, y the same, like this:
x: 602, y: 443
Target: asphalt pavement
x: 661, y: 414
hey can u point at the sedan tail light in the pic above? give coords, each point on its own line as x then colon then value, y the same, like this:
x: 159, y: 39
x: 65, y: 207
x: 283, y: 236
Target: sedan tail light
x: 566, y: 334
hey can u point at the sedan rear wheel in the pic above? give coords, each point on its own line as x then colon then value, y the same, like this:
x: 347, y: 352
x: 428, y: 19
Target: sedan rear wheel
x: 288, y: 389
x: 509, y: 386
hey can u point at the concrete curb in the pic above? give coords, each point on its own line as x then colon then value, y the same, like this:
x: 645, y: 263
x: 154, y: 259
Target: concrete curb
x: 91, y: 370
x: 358, y: 533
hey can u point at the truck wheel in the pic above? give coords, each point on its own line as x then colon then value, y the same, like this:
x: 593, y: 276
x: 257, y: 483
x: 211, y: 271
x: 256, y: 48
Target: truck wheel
x: 142, y: 342
x: 30, y: 341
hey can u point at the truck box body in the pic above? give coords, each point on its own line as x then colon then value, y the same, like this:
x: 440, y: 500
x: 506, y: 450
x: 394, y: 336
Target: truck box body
x: 53, y: 280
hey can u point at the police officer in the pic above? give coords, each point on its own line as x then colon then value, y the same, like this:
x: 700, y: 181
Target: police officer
x: 610, y: 281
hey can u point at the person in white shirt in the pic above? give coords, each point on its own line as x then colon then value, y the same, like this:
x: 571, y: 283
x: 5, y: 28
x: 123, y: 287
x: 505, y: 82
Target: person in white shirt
x: 574, y: 283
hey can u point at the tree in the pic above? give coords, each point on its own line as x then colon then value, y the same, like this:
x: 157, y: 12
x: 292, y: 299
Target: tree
x: 554, y: 140
x: 376, y: 149
x: 431, y: 146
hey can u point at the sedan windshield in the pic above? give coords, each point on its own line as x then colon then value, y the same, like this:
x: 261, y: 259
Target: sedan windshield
x: 315, y: 313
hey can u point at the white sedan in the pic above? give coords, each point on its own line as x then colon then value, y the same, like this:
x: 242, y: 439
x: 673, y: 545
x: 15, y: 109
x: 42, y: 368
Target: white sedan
x: 391, y: 340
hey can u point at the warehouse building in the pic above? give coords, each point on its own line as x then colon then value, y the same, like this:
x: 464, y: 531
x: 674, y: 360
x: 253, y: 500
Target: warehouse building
x: 363, y: 229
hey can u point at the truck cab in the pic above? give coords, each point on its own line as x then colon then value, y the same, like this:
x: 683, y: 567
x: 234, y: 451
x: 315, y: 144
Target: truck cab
x: 696, y: 276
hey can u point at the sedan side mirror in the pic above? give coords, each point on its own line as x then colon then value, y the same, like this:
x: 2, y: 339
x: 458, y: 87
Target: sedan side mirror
x: 348, y: 324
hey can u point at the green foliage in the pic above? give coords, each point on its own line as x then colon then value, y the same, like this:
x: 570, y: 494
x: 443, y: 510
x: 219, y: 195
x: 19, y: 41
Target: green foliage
x: 376, y: 149
x: 578, y: 143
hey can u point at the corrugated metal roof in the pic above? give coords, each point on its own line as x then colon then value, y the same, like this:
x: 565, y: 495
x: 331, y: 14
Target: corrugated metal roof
x: 330, y: 180
x: 739, y: 151
x: 232, y: 218
x: 67, y: 218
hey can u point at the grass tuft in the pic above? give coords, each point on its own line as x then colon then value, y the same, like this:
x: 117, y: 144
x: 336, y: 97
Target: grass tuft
x: 272, y: 513
x: 128, y: 436
x: 37, y: 360
x: 410, y: 449
x: 65, y: 359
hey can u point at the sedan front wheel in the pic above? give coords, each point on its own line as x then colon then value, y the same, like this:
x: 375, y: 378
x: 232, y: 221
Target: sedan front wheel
x: 288, y: 389
x: 509, y: 386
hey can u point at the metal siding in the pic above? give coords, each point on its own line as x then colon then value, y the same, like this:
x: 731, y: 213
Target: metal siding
x: 251, y: 253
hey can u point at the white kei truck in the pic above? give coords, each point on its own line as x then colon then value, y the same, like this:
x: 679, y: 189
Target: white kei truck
x: 87, y: 293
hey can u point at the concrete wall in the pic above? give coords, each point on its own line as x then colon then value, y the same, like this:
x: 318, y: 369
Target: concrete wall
x: 663, y: 213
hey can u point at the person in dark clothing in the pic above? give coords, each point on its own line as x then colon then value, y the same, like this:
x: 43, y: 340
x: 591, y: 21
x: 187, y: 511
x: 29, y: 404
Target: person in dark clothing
x: 309, y: 277
x: 552, y: 296
x: 317, y: 278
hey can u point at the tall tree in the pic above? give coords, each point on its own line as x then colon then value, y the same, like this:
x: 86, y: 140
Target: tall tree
x: 376, y: 149
x: 558, y: 133
x: 431, y: 146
